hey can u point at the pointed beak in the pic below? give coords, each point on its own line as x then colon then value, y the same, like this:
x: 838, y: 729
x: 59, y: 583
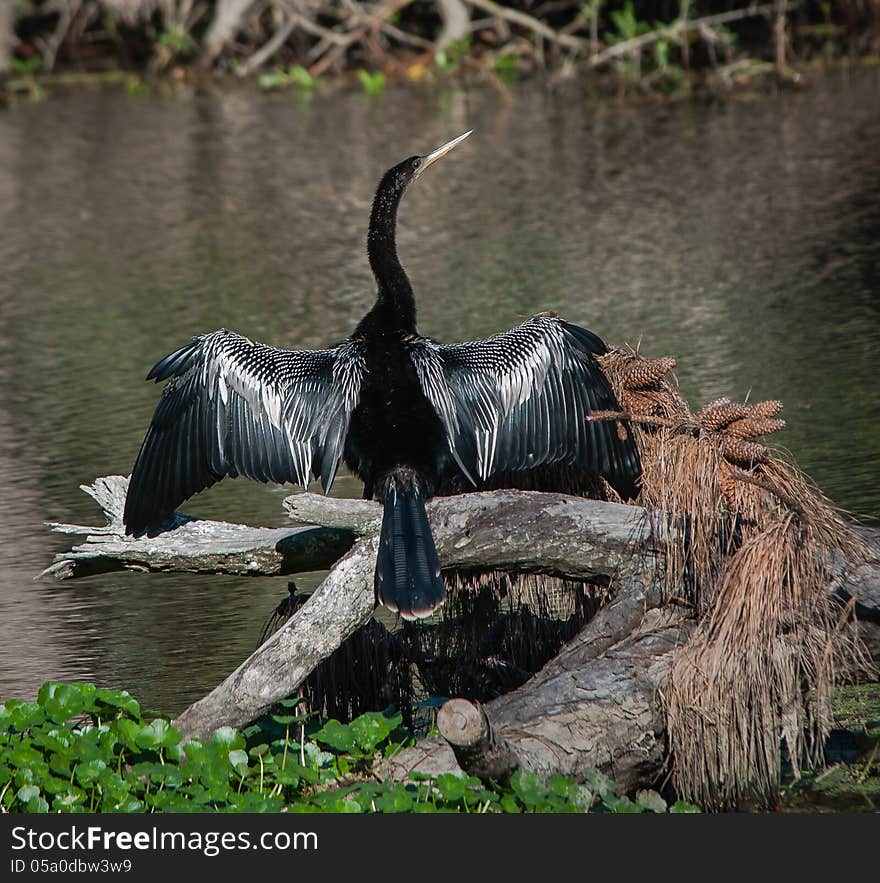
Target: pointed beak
x: 440, y: 152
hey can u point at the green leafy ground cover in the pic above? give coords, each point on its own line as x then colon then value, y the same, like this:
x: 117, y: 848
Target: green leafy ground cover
x: 79, y: 748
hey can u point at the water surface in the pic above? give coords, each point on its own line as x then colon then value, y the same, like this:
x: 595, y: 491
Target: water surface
x: 743, y: 238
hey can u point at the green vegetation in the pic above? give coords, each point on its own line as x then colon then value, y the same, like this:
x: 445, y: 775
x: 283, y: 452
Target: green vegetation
x: 296, y: 75
x: 79, y: 748
x: 83, y: 749
x: 639, y: 45
x: 851, y: 781
x: 371, y: 83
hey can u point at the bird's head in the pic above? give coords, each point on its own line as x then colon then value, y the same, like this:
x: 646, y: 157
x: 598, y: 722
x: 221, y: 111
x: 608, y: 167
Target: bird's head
x: 396, y: 180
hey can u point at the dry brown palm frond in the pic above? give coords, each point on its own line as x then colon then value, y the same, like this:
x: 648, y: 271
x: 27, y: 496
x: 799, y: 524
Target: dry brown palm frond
x: 758, y: 672
x: 756, y: 549
x: 681, y: 479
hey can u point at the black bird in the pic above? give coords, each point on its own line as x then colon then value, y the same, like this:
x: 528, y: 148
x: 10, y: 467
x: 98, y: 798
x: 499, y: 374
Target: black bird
x: 402, y: 410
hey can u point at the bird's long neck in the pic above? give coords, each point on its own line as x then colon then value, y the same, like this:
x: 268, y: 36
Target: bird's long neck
x: 395, y: 304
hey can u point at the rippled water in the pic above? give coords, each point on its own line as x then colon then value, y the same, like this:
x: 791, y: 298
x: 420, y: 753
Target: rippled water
x: 743, y: 238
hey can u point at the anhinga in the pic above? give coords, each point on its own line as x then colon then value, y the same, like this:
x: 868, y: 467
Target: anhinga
x: 402, y: 410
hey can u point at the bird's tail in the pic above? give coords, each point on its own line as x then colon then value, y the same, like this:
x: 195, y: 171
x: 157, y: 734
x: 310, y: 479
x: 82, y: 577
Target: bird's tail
x: 407, y: 568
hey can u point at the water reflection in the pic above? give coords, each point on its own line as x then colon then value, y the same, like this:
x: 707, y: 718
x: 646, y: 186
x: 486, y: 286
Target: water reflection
x: 741, y: 238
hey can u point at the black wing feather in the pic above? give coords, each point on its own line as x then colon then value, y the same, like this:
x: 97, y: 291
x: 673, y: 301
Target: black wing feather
x: 520, y: 400
x: 234, y: 407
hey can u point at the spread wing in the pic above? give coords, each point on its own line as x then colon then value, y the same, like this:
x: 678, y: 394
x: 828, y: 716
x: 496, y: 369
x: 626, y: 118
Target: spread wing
x: 235, y: 407
x: 520, y: 400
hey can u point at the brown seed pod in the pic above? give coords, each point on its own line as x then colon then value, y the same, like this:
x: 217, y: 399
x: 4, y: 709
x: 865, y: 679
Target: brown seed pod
x: 727, y: 483
x: 738, y: 450
x: 642, y: 373
x: 767, y: 409
x: 751, y: 427
x: 640, y: 404
x: 722, y: 413
x: 706, y: 409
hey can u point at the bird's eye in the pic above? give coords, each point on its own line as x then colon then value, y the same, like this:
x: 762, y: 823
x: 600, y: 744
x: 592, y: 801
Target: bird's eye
x: 416, y: 163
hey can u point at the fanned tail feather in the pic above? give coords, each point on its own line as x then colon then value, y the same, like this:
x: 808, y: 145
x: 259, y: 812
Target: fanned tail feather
x: 407, y: 568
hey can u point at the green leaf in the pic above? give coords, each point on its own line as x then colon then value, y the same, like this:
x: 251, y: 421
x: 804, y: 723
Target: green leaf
x: 396, y: 799
x: 682, y: 806
x: 158, y: 733
x: 68, y: 801
x: 621, y: 805
x: 118, y: 699
x: 28, y: 792
x: 22, y: 716
x: 272, y: 80
x: 88, y: 773
x: 54, y: 785
x: 37, y: 805
x: 599, y: 784
x: 24, y: 756
x: 291, y: 703
x: 370, y: 729
x: 371, y: 83
x: 289, y: 776
x: 228, y: 737
x: 238, y: 759
x: 452, y: 787
x: 301, y: 77
x: 338, y: 736
x: 651, y: 801
x: 506, y: 67
x: 64, y: 701
x: 527, y: 787
x: 26, y: 66
x: 287, y: 719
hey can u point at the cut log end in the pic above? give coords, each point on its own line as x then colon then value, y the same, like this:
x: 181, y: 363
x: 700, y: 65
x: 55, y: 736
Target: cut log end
x: 462, y: 723
x: 478, y: 749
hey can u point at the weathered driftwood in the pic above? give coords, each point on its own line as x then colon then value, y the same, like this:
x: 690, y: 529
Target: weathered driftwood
x: 342, y: 603
x: 194, y: 545
x: 509, y: 530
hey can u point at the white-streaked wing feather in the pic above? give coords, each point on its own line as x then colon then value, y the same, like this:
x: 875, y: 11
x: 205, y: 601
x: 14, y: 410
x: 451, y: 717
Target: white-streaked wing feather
x: 235, y: 407
x: 520, y: 400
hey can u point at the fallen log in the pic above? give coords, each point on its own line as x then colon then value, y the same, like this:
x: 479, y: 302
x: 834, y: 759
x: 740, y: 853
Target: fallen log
x: 510, y: 530
x: 597, y: 704
x: 490, y: 530
x: 202, y: 546
x: 583, y: 710
x: 193, y: 545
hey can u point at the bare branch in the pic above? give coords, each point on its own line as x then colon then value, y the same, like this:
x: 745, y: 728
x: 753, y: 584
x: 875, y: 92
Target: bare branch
x: 514, y: 16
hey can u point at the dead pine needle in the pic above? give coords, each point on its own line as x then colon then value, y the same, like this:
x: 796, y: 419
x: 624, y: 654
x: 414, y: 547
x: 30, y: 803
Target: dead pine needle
x: 755, y: 552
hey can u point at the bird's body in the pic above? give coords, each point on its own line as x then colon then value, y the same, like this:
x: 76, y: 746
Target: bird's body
x: 393, y: 423
x: 404, y: 412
